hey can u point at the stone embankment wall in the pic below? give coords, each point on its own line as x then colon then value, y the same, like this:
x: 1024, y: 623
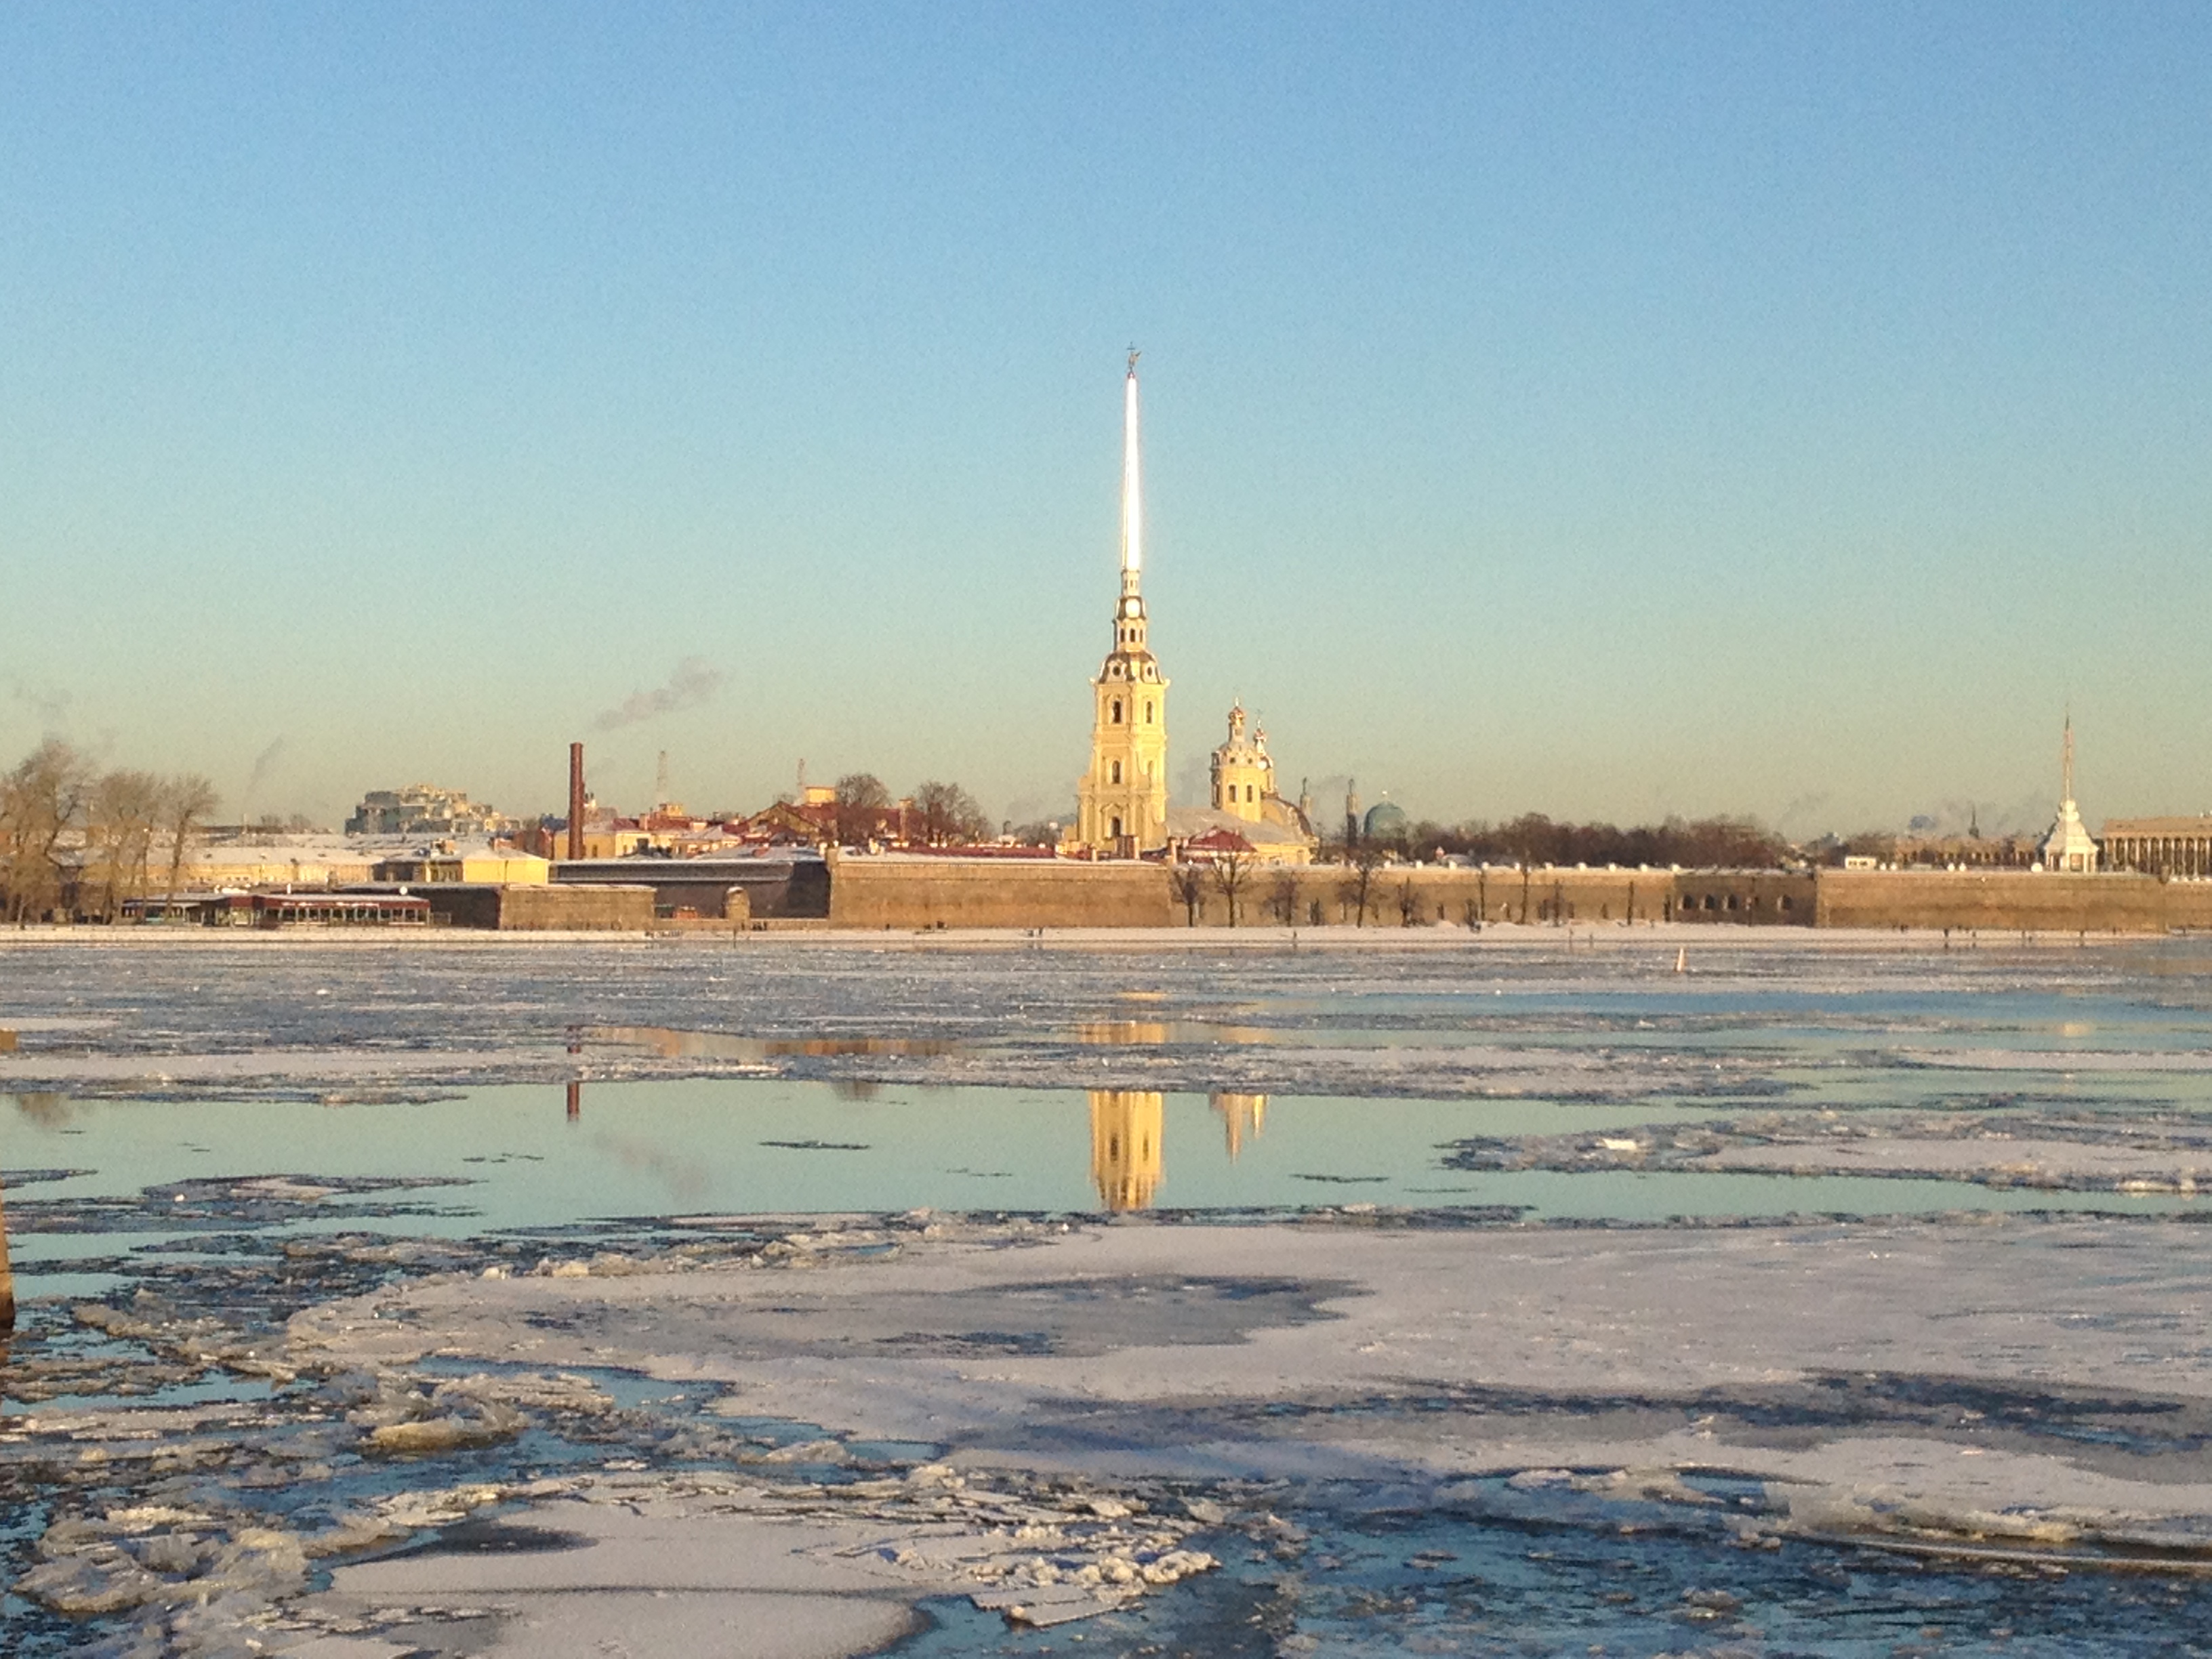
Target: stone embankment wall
x: 891, y: 891
x: 2011, y: 900
x: 921, y: 893
x: 541, y: 908
x: 911, y: 893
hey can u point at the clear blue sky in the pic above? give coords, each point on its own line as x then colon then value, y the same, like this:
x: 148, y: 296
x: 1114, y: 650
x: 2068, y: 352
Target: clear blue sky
x: 1600, y: 410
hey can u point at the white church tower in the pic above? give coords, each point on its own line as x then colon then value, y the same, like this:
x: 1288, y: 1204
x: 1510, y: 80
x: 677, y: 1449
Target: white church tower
x: 2068, y: 847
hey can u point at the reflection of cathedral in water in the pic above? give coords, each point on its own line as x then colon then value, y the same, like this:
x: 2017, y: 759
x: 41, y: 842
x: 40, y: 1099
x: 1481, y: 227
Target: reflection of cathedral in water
x: 1125, y: 1146
x: 1129, y: 1135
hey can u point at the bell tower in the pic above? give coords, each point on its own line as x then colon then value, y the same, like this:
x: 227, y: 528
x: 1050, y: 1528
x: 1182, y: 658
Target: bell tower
x: 1122, y: 804
x: 1243, y: 774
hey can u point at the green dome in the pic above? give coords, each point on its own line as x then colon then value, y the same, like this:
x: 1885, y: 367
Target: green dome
x: 1386, y: 821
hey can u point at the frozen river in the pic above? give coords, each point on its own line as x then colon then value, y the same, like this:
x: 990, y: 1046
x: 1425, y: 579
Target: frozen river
x: 1635, y: 1293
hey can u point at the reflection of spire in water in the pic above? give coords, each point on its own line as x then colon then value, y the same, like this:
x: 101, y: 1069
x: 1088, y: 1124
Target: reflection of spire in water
x: 1243, y: 1117
x: 575, y: 1101
x: 1126, y: 1151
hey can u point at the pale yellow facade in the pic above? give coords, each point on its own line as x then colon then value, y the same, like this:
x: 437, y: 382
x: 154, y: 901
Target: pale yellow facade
x: 502, y: 866
x: 505, y: 866
x: 1122, y: 804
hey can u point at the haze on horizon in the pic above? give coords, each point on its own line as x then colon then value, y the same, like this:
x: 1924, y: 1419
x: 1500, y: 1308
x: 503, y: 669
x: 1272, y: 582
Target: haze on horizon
x: 1606, y: 412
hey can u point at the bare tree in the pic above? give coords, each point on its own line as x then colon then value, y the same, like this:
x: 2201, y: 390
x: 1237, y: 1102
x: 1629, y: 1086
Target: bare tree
x: 122, y: 814
x: 1188, y: 881
x: 861, y: 802
x: 1232, y: 869
x: 41, y: 802
x: 1283, y: 899
x: 1409, y: 902
x: 1356, y: 889
x: 949, y: 814
x: 186, y: 801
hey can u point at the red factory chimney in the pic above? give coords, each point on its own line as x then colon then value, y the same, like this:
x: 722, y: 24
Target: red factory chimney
x: 575, y: 800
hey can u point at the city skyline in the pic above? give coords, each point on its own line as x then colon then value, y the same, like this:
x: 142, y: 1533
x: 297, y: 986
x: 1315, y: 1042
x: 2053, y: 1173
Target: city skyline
x: 1608, y: 416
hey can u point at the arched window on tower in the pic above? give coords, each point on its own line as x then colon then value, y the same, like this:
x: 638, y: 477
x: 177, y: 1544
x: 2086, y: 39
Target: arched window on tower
x: 1117, y: 711
x: 1116, y: 778
x: 1148, y: 711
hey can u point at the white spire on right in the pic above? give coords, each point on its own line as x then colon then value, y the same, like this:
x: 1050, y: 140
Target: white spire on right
x: 1132, y: 492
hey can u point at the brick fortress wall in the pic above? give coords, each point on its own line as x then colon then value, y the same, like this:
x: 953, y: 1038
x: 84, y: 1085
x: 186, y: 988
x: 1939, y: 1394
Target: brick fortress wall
x: 921, y: 893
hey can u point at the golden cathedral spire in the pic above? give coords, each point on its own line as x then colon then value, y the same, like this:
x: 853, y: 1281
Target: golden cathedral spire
x: 1121, y: 803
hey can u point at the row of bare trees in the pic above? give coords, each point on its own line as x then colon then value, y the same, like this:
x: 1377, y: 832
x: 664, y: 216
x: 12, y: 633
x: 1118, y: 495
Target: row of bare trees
x: 1234, y: 877
x: 1734, y: 843
x: 77, y: 840
x: 944, y: 814
x: 1228, y: 874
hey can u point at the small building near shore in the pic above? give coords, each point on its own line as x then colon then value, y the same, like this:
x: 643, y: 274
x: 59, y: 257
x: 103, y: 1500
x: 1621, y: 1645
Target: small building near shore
x: 309, y: 909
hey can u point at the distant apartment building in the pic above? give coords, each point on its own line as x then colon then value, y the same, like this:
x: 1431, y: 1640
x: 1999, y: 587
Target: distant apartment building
x: 421, y: 809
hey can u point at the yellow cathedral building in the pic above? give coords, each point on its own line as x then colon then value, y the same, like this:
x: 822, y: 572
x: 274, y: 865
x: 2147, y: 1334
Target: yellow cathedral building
x: 1122, y: 804
x: 1121, y: 801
